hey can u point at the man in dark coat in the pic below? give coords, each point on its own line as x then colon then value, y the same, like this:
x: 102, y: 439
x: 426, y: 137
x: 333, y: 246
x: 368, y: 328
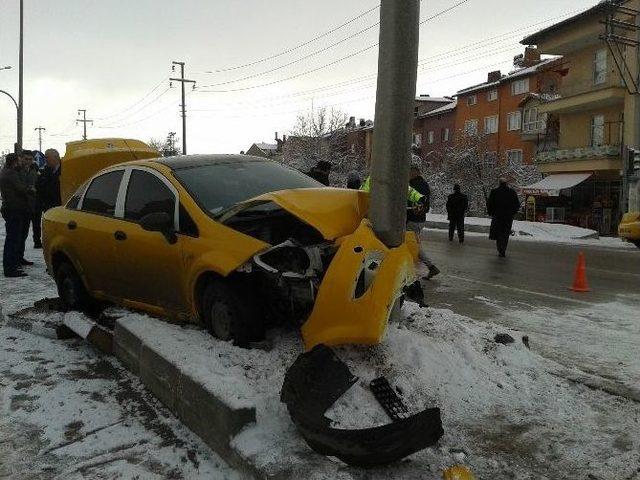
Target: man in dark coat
x: 457, y: 206
x: 502, y: 205
x: 321, y: 172
x: 48, y: 185
x: 29, y: 174
x: 15, y: 211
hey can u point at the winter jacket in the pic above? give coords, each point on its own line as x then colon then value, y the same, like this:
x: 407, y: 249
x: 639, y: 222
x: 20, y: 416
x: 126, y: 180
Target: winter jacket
x: 319, y: 175
x: 30, y: 177
x: 48, y: 188
x: 421, y: 185
x: 15, y: 193
x: 416, y: 202
x: 502, y: 205
x: 457, y: 205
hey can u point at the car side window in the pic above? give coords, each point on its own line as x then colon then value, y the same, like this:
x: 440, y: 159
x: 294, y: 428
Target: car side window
x: 146, y: 194
x: 102, y: 194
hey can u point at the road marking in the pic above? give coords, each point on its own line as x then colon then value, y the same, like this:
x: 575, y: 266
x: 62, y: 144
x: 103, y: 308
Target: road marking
x: 521, y: 290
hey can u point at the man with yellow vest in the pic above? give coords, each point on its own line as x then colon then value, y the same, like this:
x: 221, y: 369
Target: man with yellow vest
x: 416, y: 207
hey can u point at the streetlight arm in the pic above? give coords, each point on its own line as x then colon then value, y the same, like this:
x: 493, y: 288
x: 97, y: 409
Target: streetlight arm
x: 11, y: 97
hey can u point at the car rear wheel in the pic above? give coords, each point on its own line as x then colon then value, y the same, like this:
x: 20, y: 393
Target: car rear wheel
x: 71, y: 289
x: 228, y: 316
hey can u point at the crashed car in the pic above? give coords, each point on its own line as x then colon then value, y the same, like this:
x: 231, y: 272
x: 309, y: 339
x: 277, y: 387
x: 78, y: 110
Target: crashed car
x: 233, y: 242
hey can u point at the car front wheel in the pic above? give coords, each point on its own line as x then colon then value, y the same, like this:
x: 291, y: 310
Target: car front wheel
x: 228, y: 316
x: 71, y: 289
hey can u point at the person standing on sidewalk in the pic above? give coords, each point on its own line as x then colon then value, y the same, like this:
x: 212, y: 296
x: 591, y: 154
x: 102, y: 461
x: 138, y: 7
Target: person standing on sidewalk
x: 502, y: 206
x: 48, y: 185
x: 15, y: 212
x: 457, y: 206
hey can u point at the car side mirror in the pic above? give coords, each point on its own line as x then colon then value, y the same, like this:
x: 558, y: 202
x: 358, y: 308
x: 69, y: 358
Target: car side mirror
x: 160, y: 222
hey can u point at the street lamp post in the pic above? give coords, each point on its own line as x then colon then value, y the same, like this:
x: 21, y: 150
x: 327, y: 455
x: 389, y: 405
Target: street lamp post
x: 20, y: 80
x: 17, y: 112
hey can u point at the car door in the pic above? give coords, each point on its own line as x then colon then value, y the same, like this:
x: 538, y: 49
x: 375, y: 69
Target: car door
x: 151, y: 266
x: 90, y: 231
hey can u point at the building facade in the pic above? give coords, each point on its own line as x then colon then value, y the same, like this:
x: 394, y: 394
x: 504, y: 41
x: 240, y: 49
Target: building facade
x: 595, y: 119
x: 433, y: 132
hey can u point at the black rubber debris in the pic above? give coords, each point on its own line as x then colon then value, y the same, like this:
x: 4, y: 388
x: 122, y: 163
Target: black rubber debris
x: 389, y: 399
x: 503, y: 338
x: 315, y: 381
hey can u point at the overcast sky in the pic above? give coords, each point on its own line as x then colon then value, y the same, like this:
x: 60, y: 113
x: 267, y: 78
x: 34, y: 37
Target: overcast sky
x: 113, y: 57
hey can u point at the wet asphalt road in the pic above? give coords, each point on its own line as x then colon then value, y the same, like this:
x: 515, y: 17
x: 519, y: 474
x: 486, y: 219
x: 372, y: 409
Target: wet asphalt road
x: 533, y: 273
x: 597, y: 333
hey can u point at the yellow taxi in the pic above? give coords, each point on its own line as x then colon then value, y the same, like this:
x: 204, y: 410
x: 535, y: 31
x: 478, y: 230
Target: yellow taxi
x: 234, y: 242
x: 629, y: 228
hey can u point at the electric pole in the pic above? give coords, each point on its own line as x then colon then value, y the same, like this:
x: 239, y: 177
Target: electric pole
x: 40, y: 130
x: 395, y: 99
x: 84, y: 122
x: 18, y: 147
x: 182, y: 81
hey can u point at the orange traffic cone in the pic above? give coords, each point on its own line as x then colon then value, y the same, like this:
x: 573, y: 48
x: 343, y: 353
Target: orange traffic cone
x: 580, y: 283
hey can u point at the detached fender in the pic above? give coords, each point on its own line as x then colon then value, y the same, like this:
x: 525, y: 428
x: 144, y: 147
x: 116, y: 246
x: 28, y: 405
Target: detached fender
x: 359, y: 289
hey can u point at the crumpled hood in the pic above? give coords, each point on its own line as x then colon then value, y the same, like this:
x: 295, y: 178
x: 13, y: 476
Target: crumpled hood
x: 334, y: 212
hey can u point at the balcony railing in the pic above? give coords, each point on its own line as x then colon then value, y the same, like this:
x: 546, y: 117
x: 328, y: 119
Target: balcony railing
x: 583, y: 153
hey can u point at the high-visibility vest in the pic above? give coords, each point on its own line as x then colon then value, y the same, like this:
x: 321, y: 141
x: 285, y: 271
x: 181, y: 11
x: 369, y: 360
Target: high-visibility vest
x: 413, y: 196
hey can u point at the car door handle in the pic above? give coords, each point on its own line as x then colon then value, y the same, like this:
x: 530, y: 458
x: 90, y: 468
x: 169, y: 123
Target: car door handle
x: 120, y: 235
x: 72, y: 225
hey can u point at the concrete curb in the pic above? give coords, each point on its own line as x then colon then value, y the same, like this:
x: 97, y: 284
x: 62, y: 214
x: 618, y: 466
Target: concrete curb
x: 208, y: 416
x: 473, y: 228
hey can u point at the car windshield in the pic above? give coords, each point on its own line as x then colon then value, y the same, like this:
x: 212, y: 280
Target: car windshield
x: 220, y: 186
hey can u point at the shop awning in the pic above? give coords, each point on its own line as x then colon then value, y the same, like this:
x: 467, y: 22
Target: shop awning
x: 551, y: 185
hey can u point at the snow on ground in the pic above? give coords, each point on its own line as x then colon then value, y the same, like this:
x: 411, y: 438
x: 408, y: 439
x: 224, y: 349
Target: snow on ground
x: 69, y: 412
x: 535, y: 232
x: 507, y: 412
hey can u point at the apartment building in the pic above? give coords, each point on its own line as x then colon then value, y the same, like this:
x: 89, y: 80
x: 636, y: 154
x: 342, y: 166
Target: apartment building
x: 595, y: 121
x: 497, y: 110
x: 434, y: 130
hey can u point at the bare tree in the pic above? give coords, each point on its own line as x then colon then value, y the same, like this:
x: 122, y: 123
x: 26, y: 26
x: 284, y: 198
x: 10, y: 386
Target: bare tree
x: 473, y: 163
x: 167, y: 147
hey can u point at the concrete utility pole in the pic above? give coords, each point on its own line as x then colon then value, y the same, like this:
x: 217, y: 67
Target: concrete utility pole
x: 395, y: 99
x: 182, y: 81
x: 18, y: 146
x: 84, y: 122
x: 633, y: 184
x: 40, y: 130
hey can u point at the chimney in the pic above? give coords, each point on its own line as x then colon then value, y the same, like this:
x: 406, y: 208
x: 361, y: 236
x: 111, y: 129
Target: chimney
x: 352, y: 122
x: 531, y: 57
x: 277, y: 137
x: 494, y: 76
x: 284, y: 138
x: 362, y: 122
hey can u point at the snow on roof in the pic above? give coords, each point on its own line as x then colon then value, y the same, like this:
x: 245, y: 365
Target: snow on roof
x: 438, y: 111
x: 427, y: 98
x: 267, y: 146
x: 521, y: 72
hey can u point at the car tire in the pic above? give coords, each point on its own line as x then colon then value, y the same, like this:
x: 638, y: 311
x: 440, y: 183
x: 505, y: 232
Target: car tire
x: 71, y: 290
x: 228, y: 316
x: 636, y: 243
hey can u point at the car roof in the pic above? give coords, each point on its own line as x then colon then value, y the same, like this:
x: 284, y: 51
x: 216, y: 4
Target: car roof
x: 190, y: 161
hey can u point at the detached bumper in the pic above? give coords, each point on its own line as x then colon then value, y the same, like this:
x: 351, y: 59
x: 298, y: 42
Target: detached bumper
x: 359, y: 289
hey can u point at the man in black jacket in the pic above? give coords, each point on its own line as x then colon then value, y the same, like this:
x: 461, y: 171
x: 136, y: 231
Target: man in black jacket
x: 457, y: 206
x: 48, y: 185
x: 321, y: 172
x: 502, y: 205
x: 15, y: 211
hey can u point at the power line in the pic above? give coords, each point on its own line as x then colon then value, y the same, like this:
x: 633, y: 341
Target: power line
x: 303, y: 44
x: 142, y: 107
x: 118, y: 113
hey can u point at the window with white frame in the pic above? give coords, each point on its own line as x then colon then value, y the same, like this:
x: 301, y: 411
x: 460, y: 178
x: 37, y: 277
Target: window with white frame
x: 597, y: 130
x: 519, y: 87
x: 417, y: 139
x: 514, y: 156
x: 600, y: 67
x: 472, y: 99
x: 491, y: 124
x: 431, y: 137
x: 534, y: 121
x: 471, y: 127
x: 514, y: 121
x: 445, y: 134
x: 492, y: 95
x: 490, y: 157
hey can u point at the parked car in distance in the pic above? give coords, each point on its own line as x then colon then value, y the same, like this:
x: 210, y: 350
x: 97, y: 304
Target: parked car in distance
x: 234, y: 242
x: 629, y: 228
